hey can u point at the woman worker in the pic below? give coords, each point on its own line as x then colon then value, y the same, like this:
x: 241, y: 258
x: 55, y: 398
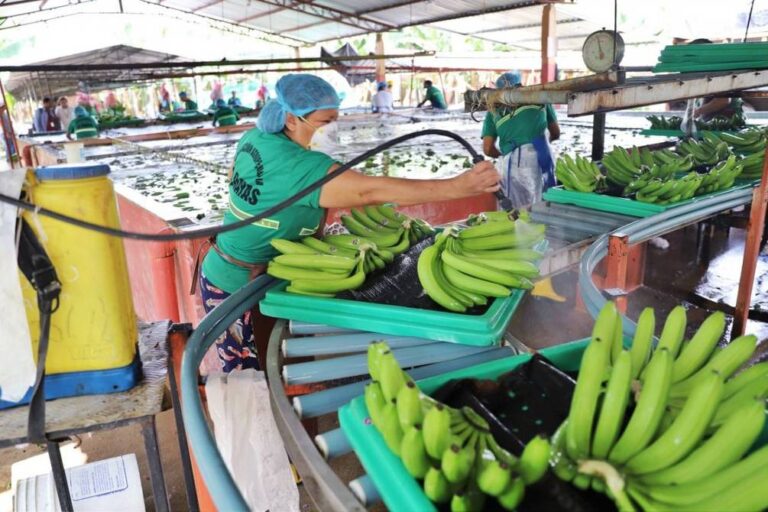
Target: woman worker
x: 526, y: 165
x: 272, y: 163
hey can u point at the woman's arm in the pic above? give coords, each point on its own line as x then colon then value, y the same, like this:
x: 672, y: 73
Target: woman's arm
x: 489, y: 147
x: 554, y: 131
x: 712, y: 106
x: 355, y: 189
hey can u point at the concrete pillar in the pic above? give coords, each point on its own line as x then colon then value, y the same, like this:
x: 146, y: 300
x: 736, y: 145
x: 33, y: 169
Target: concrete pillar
x: 548, y: 44
x: 381, y: 67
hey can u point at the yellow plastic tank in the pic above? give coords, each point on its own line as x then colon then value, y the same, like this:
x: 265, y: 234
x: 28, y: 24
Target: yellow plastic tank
x: 95, y: 325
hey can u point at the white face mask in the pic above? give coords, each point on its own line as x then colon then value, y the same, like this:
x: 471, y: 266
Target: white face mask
x: 326, y: 139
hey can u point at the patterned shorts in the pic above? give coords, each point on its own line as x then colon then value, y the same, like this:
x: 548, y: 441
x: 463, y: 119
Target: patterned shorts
x: 237, y: 346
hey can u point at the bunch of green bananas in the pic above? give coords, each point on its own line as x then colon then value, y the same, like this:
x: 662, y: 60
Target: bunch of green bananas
x: 316, y: 268
x: 666, y: 428
x: 665, y: 123
x: 743, y: 143
x: 466, y: 266
x: 723, y: 123
x: 452, y: 450
x: 377, y: 223
x: 709, y: 151
x: 620, y: 168
x: 664, y: 189
x: 752, y: 165
x: 722, y: 176
x: 579, y: 174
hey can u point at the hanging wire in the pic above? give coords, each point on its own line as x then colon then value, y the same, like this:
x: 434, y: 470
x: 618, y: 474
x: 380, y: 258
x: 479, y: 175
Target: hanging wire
x: 615, y: 30
x: 749, y: 21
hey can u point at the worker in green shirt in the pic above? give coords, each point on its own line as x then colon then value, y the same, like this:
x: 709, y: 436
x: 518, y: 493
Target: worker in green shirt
x: 273, y: 163
x: 224, y: 115
x: 83, y: 126
x: 188, y: 103
x: 526, y: 165
x: 433, y: 96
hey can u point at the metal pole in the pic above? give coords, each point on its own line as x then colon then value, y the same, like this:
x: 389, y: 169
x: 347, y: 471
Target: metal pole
x: 751, y: 252
x: 598, y: 135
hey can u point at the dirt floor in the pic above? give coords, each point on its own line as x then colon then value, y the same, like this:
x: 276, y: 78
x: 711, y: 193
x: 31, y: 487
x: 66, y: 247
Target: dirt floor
x: 699, y: 269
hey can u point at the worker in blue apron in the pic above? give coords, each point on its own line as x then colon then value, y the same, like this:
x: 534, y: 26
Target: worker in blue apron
x: 517, y: 137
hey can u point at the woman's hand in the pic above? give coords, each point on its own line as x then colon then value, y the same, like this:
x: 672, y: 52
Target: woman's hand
x: 482, y: 178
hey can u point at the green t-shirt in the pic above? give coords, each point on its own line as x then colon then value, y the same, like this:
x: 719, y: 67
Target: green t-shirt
x: 225, y: 116
x: 190, y: 105
x: 83, y: 127
x: 435, y: 97
x: 269, y: 168
x: 517, y: 127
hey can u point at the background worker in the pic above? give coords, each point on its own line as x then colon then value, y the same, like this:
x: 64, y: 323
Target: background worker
x: 187, y: 101
x: 272, y: 163
x: 83, y: 126
x: 382, y: 100
x: 45, y: 119
x: 224, y: 115
x: 526, y: 165
x: 64, y: 112
x: 433, y: 96
x: 233, y: 100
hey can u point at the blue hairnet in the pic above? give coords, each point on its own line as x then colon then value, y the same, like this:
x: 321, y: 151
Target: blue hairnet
x: 182, y: 93
x: 508, y: 79
x: 298, y: 94
x: 80, y: 111
x: 381, y: 86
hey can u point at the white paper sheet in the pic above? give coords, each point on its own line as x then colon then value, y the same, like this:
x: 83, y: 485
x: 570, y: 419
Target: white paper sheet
x: 17, y: 366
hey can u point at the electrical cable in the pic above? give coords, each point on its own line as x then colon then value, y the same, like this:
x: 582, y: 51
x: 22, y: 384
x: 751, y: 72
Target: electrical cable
x: 749, y: 21
x: 215, y: 230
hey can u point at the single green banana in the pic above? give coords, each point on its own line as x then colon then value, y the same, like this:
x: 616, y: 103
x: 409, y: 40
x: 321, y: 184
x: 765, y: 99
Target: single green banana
x: 427, y: 269
x: 357, y: 228
x: 400, y: 247
x: 642, y: 343
x: 748, y: 494
x: 534, y: 460
x: 756, y: 389
x: 617, y: 340
x: 517, y: 267
x: 649, y: 410
x: 594, y: 364
x: 316, y: 261
x: 513, y: 495
x: 352, y: 282
x: 390, y: 428
x: 487, y: 229
x: 741, y: 379
x: 468, y: 500
x: 375, y: 350
x: 512, y: 254
x: 728, y: 444
x: 413, y: 454
x: 436, y: 487
x: 562, y: 466
x: 614, y: 406
x: 478, y: 270
x: 493, y: 477
x: 409, y: 405
x: 374, y: 402
x: 674, y: 331
x: 375, y: 214
x: 391, y: 377
x: 390, y: 213
x: 698, y: 351
x: 325, y: 248
x: 366, y: 220
x: 457, y: 463
x: 726, y: 361
x: 473, y: 284
x: 289, y: 247
x: 437, y: 430
x: 514, y: 241
x: 684, y: 433
x: 292, y: 273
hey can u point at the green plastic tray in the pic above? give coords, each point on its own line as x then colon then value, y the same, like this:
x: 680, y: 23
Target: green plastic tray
x: 621, y: 205
x: 477, y: 330
x: 399, y: 490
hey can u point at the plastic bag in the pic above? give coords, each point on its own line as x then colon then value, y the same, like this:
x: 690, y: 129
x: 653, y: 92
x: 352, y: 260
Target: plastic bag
x: 249, y: 442
x: 521, y: 177
x: 688, y: 124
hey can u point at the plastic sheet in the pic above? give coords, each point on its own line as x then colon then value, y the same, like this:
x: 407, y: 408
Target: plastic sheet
x: 399, y: 284
x: 532, y: 399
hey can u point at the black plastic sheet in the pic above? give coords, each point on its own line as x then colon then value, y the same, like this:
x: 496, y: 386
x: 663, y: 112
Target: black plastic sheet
x: 398, y: 284
x: 532, y: 399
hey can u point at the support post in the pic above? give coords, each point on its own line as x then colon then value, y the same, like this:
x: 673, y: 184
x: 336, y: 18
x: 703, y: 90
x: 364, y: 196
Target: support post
x: 751, y: 250
x: 381, y: 65
x: 616, y: 269
x: 598, y: 136
x: 548, y: 44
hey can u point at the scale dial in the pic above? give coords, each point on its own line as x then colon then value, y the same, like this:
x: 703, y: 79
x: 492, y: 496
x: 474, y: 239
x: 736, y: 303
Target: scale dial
x: 598, y: 50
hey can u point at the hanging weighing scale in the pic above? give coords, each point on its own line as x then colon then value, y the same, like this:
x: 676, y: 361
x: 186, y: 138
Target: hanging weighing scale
x: 603, y: 50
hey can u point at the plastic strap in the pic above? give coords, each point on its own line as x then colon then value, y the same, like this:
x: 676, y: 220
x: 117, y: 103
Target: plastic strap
x: 39, y: 271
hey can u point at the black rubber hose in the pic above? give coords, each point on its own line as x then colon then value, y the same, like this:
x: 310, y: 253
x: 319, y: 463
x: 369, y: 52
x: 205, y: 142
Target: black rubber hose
x: 214, y: 230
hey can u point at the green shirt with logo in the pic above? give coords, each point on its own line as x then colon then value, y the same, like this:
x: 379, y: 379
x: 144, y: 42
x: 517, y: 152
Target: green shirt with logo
x: 83, y: 127
x: 190, y: 105
x: 515, y: 127
x: 269, y: 168
x: 435, y: 97
x: 225, y: 116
